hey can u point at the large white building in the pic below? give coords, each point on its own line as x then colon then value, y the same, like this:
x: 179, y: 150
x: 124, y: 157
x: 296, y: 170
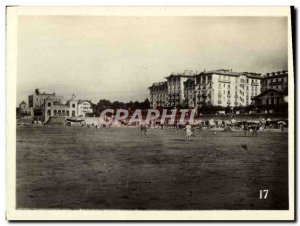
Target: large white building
x: 158, y: 94
x: 226, y: 88
x: 217, y: 88
x: 176, y: 89
x: 84, y: 107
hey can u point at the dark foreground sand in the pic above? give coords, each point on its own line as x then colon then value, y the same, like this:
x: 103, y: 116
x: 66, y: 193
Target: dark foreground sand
x: 119, y: 168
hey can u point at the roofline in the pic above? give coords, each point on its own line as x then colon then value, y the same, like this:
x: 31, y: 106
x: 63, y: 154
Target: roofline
x: 275, y: 76
x: 267, y: 91
x: 180, y: 75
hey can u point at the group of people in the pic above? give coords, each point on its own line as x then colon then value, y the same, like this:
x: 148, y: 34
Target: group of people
x: 188, y: 130
x: 254, y: 129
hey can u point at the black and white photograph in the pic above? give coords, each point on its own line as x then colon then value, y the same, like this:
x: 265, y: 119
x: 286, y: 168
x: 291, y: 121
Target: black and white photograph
x: 162, y: 113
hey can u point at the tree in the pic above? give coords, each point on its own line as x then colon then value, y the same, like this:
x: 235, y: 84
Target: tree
x: 102, y: 105
x: 118, y: 105
x: 146, y: 104
x: 210, y: 109
x: 184, y: 104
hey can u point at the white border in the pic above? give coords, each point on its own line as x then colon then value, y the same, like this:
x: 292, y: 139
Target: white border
x: 13, y: 214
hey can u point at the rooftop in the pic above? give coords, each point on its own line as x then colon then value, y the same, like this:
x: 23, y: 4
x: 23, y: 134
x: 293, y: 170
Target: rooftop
x: 267, y: 91
x: 81, y: 101
x: 158, y: 84
x: 228, y: 72
x: 277, y: 73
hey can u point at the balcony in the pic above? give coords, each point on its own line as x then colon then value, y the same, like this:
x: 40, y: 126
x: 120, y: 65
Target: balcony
x: 224, y: 80
x: 276, y: 83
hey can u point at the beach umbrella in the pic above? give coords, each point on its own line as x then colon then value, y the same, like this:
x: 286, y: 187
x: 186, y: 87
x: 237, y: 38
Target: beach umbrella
x: 281, y: 123
x: 263, y: 121
x: 211, y: 122
x: 198, y: 121
x: 227, y: 122
x: 268, y: 120
x: 253, y: 122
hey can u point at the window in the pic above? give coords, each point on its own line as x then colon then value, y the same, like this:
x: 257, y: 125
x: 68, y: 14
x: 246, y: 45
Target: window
x: 73, y: 105
x: 49, y: 112
x: 49, y: 104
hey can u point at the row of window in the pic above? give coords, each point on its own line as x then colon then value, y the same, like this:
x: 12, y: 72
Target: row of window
x: 60, y: 113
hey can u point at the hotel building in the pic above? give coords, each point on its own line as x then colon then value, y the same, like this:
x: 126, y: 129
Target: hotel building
x: 159, y: 94
x: 176, y: 89
x: 226, y: 88
x: 274, y: 89
x: 217, y: 88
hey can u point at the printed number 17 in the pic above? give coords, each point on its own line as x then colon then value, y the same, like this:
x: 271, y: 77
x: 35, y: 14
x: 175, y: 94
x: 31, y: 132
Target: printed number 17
x: 263, y: 194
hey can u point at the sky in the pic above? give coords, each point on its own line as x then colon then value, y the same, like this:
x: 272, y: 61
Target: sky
x: 118, y: 58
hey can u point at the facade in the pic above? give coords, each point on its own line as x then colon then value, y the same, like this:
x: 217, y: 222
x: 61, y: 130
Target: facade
x: 216, y: 88
x: 44, y: 106
x: 37, y: 99
x: 189, y: 92
x: 175, y: 84
x: 274, y: 90
x: 270, y: 97
x: 275, y: 80
x: 226, y: 88
x: 53, y: 108
x: 159, y: 94
x: 84, y: 107
x: 24, y: 109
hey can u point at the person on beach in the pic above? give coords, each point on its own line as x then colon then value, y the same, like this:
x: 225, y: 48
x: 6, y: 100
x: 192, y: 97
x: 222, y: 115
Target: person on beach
x: 245, y: 129
x: 143, y: 128
x: 188, y: 130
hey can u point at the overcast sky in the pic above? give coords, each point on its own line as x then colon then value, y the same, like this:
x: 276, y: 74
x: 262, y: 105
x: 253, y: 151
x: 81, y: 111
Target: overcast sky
x: 118, y: 58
